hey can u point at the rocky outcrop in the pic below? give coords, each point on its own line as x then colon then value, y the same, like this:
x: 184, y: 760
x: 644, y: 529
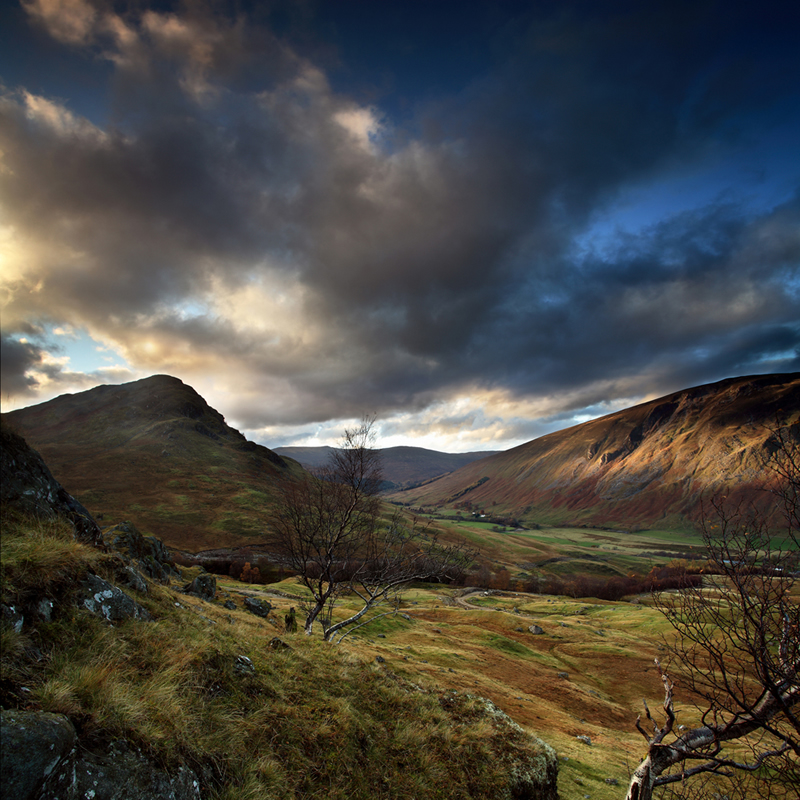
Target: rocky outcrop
x: 146, y: 552
x: 29, y: 485
x: 203, y: 586
x: 105, y: 600
x: 41, y: 759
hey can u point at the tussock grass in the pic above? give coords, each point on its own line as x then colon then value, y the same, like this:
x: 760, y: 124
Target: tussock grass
x: 311, y: 722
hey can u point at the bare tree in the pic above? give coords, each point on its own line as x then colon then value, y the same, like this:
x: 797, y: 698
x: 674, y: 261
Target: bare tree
x: 737, y: 652
x: 331, y: 530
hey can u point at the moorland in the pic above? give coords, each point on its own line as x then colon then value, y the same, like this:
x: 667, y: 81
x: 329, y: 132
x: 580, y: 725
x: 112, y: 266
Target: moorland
x: 391, y: 711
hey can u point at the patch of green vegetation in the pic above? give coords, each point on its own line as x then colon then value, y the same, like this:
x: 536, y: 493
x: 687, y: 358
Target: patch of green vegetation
x: 509, y: 646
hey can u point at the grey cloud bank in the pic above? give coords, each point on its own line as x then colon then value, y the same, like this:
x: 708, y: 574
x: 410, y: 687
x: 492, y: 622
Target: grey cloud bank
x: 245, y: 220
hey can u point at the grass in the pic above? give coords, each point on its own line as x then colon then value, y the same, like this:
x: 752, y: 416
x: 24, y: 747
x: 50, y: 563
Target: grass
x: 322, y: 721
x: 311, y: 722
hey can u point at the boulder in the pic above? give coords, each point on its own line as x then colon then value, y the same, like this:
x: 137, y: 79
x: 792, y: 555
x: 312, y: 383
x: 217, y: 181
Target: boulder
x: 203, y: 586
x: 40, y: 759
x: 37, y: 756
x: 260, y: 608
x: 148, y: 554
x: 13, y: 616
x: 119, y: 772
x: 105, y: 600
x: 536, y: 630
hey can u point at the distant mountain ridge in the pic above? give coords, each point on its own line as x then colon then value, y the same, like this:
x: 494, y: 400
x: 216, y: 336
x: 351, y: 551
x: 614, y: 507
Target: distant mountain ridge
x: 650, y: 465
x: 155, y: 452
x: 403, y: 467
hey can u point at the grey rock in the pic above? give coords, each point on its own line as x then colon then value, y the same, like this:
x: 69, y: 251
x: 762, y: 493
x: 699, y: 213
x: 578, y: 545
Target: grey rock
x: 133, y: 579
x: 563, y: 674
x: 13, y: 616
x: 109, y: 602
x: 38, y: 754
x: 536, y: 630
x: 149, y: 554
x: 585, y: 739
x: 260, y: 608
x: 203, y: 586
x: 230, y: 605
x: 242, y: 665
x: 278, y: 644
x: 44, y: 609
x: 122, y: 773
x: 40, y: 760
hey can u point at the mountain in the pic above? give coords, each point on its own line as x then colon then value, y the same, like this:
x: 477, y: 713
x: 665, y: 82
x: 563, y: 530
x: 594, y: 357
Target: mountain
x: 155, y: 452
x: 650, y: 465
x: 403, y: 467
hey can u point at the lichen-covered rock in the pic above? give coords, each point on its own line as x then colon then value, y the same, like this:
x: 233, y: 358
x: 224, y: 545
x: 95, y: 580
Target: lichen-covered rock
x: 37, y: 755
x: 105, y: 600
x: 13, y: 616
x: 121, y: 773
x: 149, y: 554
x: 261, y: 608
x: 27, y: 484
x: 41, y: 760
x: 242, y: 665
x: 203, y: 586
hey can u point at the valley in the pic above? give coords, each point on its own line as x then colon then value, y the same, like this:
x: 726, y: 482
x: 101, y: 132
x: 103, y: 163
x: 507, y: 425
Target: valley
x: 532, y: 625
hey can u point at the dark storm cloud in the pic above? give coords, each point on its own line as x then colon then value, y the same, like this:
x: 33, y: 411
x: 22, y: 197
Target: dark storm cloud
x: 17, y: 359
x: 438, y: 256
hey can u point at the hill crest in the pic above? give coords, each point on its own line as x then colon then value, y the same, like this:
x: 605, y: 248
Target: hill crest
x: 154, y: 451
x: 651, y: 464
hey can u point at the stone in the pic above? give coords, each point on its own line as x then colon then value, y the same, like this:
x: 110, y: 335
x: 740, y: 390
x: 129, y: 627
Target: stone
x: 585, y: 739
x: 536, y: 630
x: 149, y: 554
x: 40, y: 759
x: 118, y: 772
x: 13, y: 616
x: 37, y: 755
x: 132, y: 579
x: 44, y: 609
x: 261, y: 608
x: 242, y: 665
x: 230, y: 605
x: 105, y: 600
x: 278, y: 644
x: 203, y: 586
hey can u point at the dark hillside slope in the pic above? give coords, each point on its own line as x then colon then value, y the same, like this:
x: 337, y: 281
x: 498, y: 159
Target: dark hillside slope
x: 155, y: 452
x: 650, y: 465
x: 403, y: 467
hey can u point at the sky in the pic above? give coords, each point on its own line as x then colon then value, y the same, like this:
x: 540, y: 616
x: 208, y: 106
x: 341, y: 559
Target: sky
x: 477, y: 221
